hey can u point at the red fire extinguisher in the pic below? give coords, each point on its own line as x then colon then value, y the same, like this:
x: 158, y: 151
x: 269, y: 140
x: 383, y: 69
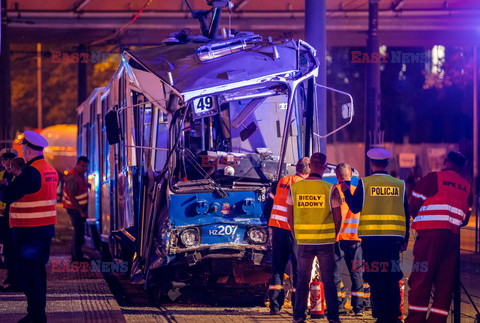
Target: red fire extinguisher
x: 317, y: 297
x: 402, y: 297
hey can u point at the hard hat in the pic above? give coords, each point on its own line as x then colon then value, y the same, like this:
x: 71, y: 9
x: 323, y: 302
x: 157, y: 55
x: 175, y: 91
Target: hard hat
x: 379, y: 154
x: 34, y: 140
x: 8, y: 152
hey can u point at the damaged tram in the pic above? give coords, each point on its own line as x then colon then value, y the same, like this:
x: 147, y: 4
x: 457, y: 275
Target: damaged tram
x: 185, y: 144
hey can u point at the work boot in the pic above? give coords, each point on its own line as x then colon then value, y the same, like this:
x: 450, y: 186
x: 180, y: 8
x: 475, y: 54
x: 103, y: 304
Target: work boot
x: 274, y: 311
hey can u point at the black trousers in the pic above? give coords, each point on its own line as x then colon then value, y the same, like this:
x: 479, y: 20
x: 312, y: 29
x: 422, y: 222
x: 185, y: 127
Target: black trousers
x: 78, y: 223
x: 32, y: 248
x: 382, y: 268
x: 284, y: 248
x: 8, y: 252
x: 351, y: 253
x: 326, y: 259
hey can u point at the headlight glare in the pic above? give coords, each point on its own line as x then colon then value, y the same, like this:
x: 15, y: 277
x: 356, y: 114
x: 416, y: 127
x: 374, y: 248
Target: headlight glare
x: 190, y: 237
x: 257, y: 235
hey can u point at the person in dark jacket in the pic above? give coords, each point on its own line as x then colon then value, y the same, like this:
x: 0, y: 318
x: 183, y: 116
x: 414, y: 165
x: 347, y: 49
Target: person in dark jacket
x: 32, y: 197
x: 10, y: 283
x: 75, y: 201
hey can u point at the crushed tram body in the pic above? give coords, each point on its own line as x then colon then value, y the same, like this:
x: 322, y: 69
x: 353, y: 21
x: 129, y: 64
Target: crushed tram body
x: 185, y: 144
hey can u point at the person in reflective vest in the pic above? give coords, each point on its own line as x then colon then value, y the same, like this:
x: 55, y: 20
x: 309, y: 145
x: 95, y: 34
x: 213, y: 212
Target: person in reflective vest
x: 283, y: 243
x: 348, y: 245
x: 384, y: 229
x: 440, y: 204
x: 315, y: 229
x: 75, y: 200
x: 33, y: 197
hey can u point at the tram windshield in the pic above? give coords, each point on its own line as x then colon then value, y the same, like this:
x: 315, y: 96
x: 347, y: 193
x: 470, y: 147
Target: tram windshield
x: 235, y: 138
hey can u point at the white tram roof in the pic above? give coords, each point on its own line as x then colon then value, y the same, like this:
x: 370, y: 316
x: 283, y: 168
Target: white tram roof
x: 189, y: 73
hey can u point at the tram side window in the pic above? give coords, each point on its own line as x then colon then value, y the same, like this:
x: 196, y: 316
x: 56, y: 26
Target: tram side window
x: 143, y: 119
x: 161, y: 140
x: 122, y: 116
x: 105, y: 146
x: 160, y: 131
x: 80, y: 133
x: 92, y: 133
x: 143, y: 125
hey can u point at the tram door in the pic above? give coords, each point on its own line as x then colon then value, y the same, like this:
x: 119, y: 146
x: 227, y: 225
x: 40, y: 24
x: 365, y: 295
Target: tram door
x: 94, y: 157
x: 93, y: 154
x: 125, y: 162
x: 107, y: 178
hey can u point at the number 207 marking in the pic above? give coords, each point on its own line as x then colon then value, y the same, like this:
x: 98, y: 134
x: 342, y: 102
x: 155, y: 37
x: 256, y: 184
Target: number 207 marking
x: 224, y: 230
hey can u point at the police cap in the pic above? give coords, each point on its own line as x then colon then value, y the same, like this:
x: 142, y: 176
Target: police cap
x: 457, y: 158
x: 379, y: 154
x: 34, y: 140
x: 8, y: 153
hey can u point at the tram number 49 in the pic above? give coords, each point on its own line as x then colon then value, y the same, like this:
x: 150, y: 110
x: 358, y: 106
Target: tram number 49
x: 223, y: 230
x: 203, y: 104
x: 204, y: 107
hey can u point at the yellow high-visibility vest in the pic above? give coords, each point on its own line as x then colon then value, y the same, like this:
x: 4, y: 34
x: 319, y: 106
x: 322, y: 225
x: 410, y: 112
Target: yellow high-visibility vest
x: 383, y: 213
x: 312, y: 214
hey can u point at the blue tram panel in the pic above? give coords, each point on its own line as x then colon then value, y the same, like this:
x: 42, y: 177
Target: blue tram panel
x: 236, y: 219
x: 206, y: 208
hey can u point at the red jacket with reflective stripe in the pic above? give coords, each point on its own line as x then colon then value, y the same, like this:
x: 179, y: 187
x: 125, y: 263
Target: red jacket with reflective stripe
x: 81, y: 195
x: 350, y: 221
x: 448, y: 208
x: 278, y: 216
x: 37, y: 209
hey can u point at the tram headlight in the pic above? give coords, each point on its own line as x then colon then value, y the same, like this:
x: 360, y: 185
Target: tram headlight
x: 257, y: 235
x: 190, y: 237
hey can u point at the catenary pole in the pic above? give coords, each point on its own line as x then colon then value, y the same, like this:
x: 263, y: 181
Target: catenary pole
x: 5, y: 86
x: 316, y: 35
x: 475, y: 148
x: 39, y: 87
x: 81, y: 77
x: 373, y: 134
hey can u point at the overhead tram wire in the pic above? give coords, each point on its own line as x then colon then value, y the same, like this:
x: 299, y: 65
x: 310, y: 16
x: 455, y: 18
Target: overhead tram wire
x: 124, y: 27
x: 331, y: 14
x: 137, y: 15
x: 149, y: 2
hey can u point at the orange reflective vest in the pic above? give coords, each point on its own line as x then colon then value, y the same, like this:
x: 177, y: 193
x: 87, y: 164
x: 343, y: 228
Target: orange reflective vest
x: 37, y: 209
x: 350, y: 221
x: 82, y: 193
x: 278, y: 216
x: 448, y: 208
